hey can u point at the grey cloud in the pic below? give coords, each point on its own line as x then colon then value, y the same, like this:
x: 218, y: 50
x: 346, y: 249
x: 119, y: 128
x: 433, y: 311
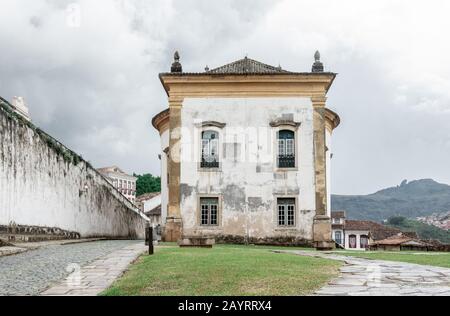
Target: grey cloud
x: 96, y: 87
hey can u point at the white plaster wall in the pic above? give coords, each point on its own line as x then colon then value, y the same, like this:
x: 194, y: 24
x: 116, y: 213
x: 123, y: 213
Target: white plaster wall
x: 249, y: 187
x: 152, y: 203
x: 328, y: 169
x: 38, y: 188
x: 358, y: 234
x: 164, y: 176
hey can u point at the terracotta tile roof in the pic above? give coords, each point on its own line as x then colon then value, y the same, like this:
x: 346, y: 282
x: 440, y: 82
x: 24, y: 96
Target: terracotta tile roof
x: 155, y: 212
x: 110, y: 169
x: 377, y: 231
x: 147, y: 196
x: 247, y: 65
x: 401, y: 240
x: 338, y: 214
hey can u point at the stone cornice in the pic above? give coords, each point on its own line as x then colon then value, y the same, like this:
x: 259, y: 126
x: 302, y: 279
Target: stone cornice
x: 211, y: 124
x: 183, y: 85
x: 332, y: 119
x: 281, y: 122
x: 161, y: 121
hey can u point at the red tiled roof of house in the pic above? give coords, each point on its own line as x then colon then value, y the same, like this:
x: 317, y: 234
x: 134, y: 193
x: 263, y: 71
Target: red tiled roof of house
x: 377, y: 231
x: 401, y: 240
x: 338, y: 214
x: 147, y: 196
x: 155, y: 212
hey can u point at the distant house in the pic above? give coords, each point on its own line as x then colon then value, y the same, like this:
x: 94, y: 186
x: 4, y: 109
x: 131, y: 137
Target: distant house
x: 401, y: 243
x: 359, y: 235
x: 150, y: 204
x: 124, y: 183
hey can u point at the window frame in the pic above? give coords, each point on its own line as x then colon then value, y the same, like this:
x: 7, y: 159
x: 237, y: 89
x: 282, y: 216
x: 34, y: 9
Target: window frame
x: 218, y: 131
x: 218, y: 225
x: 366, y: 238
x: 350, y: 237
x: 339, y: 241
x: 285, y: 226
x: 296, y: 143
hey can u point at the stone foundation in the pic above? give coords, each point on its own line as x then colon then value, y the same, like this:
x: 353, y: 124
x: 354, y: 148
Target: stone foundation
x: 322, y: 233
x: 173, y: 230
x: 200, y: 242
x: 21, y: 233
x: 289, y: 241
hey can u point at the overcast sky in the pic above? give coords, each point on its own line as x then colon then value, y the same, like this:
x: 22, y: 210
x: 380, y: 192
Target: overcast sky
x: 92, y: 81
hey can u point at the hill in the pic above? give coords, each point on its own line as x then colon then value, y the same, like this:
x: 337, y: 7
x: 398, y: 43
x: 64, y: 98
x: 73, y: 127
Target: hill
x: 409, y: 199
x: 424, y: 231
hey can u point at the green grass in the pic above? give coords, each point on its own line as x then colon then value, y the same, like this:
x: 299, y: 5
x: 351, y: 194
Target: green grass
x: 424, y: 258
x: 222, y: 271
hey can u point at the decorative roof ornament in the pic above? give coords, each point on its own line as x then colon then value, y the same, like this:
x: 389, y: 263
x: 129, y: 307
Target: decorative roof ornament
x: 318, y: 65
x: 176, y: 66
x: 206, y: 68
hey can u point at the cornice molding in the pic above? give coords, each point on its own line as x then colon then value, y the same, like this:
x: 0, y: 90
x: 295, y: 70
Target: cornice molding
x: 211, y: 124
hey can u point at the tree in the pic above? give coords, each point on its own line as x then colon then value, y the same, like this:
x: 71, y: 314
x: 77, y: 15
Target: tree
x: 396, y: 220
x: 147, y: 184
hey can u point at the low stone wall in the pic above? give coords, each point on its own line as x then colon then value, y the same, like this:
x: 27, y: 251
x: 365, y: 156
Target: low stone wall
x: 48, y: 190
x: 268, y: 241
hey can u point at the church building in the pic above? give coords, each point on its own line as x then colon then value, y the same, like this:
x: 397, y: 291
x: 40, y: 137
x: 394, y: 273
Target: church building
x: 245, y: 155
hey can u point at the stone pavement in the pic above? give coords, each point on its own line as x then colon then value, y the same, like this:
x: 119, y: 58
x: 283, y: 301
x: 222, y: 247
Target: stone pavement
x: 364, y: 277
x: 15, y: 248
x: 96, y: 277
x: 31, y: 272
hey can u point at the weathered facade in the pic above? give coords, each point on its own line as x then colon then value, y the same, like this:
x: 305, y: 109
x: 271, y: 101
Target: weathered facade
x: 246, y: 150
x: 49, y: 192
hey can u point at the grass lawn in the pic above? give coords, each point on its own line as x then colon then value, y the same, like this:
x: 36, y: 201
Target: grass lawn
x: 426, y: 258
x: 222, y: 271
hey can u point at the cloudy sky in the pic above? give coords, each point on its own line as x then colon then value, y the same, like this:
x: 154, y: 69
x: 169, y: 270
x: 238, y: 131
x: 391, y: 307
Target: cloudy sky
x: 91, y: 79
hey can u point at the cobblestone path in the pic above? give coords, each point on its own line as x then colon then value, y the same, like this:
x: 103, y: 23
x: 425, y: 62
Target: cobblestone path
x: 363, y: 277
x: 32, y: 272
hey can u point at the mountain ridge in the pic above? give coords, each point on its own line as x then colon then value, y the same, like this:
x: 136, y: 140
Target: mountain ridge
x: 409, y: 199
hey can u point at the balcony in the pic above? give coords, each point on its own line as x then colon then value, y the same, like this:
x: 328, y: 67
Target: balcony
x: 286, y: 161
x: 210, y: 162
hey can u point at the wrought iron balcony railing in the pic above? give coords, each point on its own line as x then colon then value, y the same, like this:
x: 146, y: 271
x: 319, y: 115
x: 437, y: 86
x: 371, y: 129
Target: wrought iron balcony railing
x: 286, y: 161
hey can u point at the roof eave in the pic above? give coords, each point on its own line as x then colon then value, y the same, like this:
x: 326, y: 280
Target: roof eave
x: 164, y: 75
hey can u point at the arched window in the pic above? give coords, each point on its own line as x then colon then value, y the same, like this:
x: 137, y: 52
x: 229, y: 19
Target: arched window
x: 364, y: 241
x: 286, y: 149
x: 210, y: 149
x: 352, y: 241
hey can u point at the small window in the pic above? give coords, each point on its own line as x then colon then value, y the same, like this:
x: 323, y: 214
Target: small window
x: 352, y: 241
x: 286, y: 149
x: 209, y: 208
x: 364, y: 242
x: 286, y: 212
x: 338, y: 237
x: 210, y: 149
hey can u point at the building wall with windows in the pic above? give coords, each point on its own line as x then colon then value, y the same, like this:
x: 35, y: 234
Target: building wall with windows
x: 246, y: 180
x: 124, y: 183
x: 248, y: 154
x: 357, y: 239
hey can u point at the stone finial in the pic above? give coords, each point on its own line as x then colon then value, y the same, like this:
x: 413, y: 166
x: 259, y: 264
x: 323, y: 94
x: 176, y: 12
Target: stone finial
x: 206, y: 68
x: 317, y: 56
x: 20, y: 107
x: 176, y: 65
x: 318, y: 65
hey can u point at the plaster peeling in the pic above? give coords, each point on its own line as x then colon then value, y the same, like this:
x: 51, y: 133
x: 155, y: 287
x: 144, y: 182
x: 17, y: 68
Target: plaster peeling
x: 248, y: 181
